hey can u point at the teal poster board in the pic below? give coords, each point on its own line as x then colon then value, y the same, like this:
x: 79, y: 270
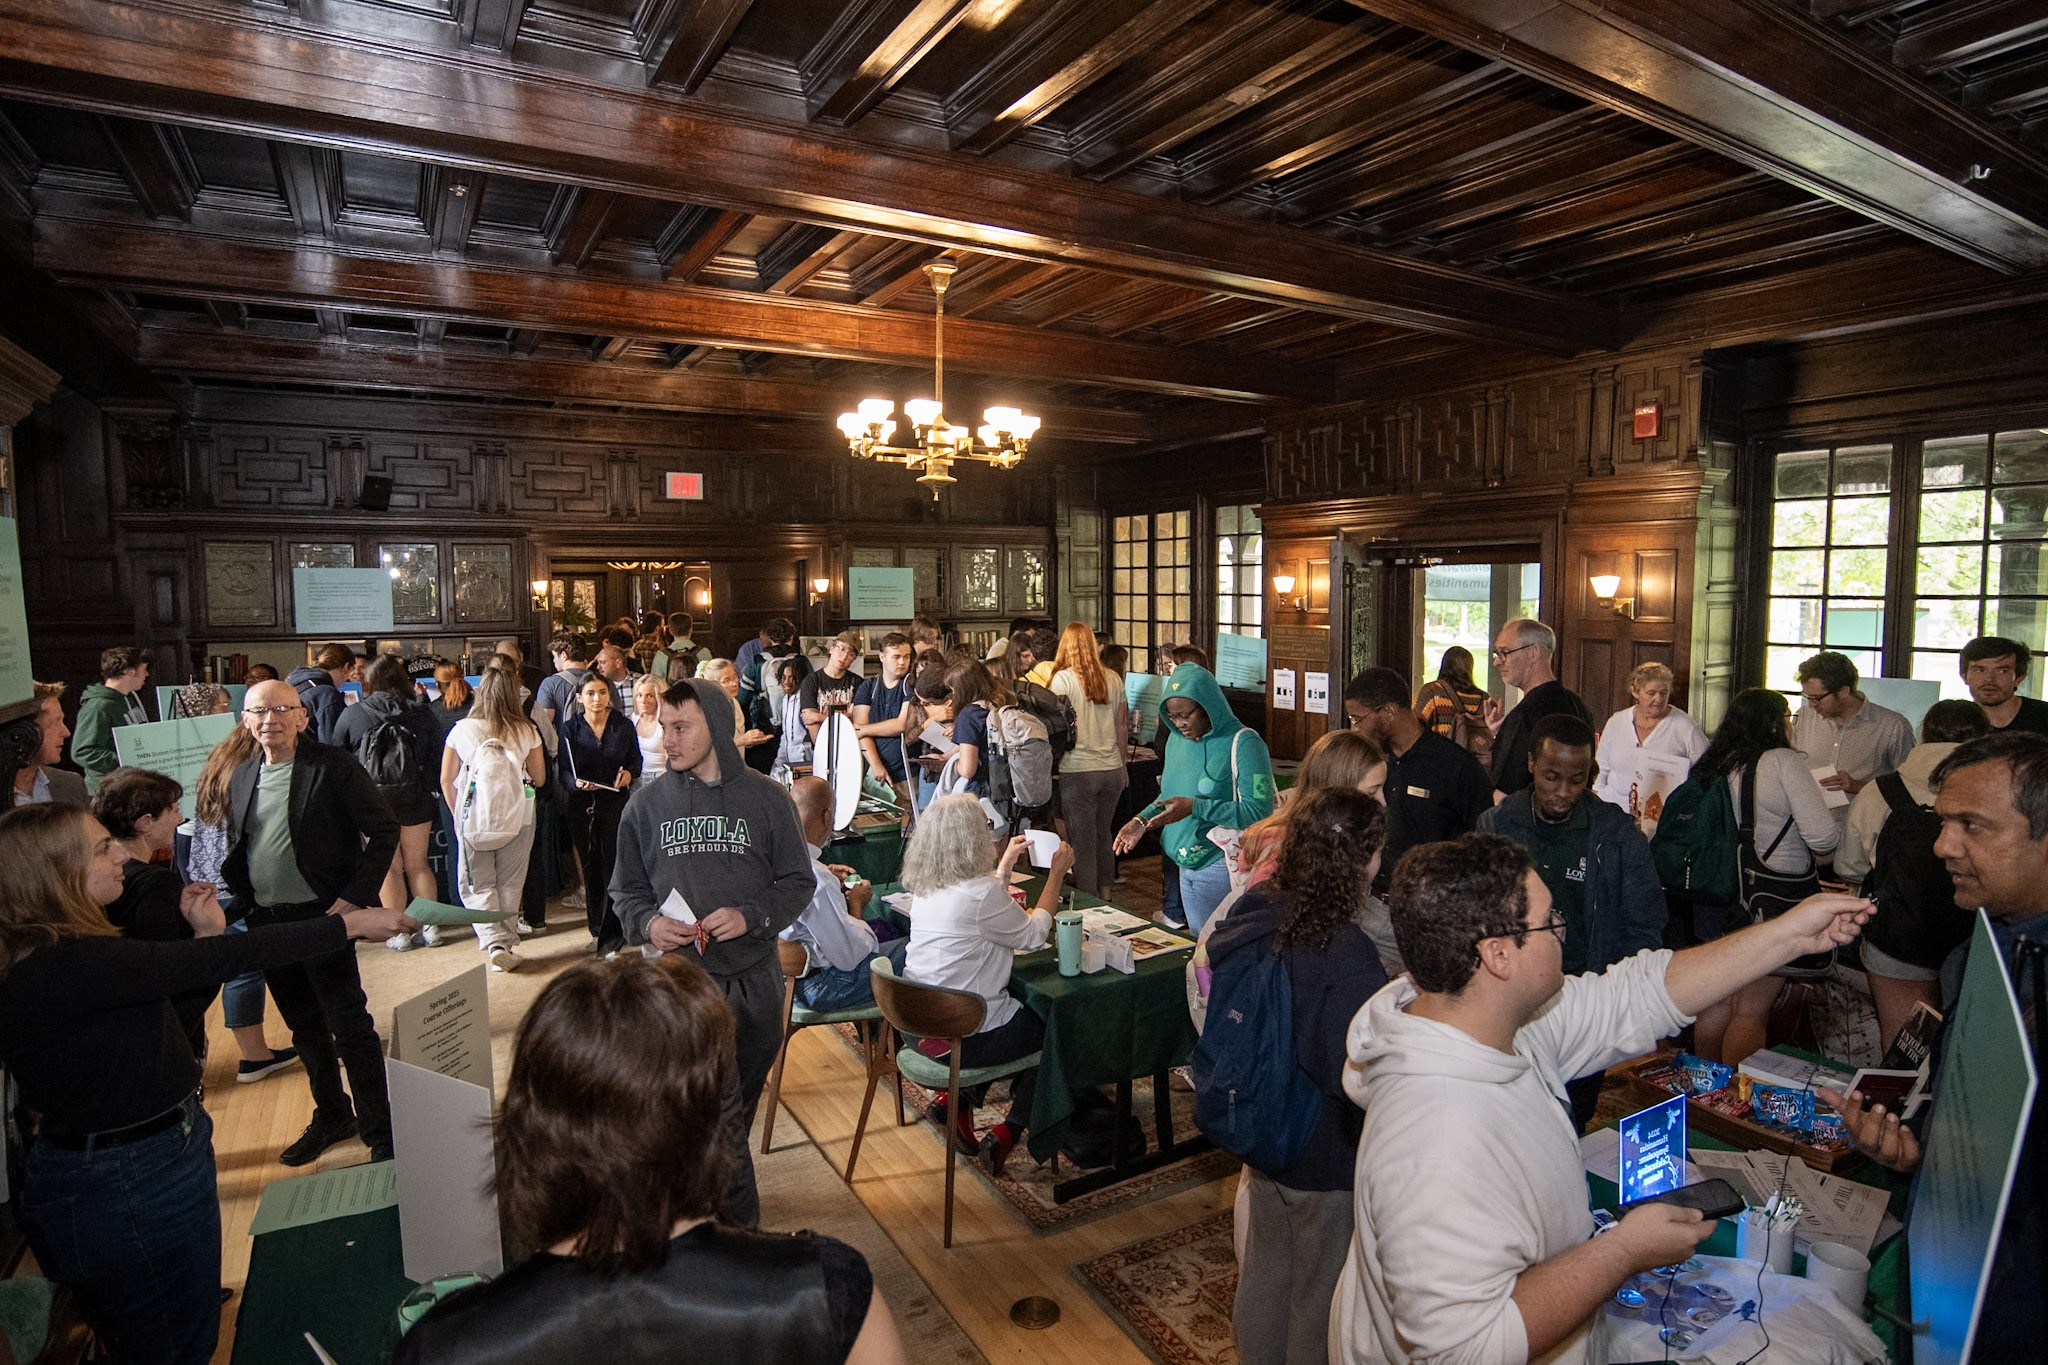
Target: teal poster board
x: 344, y: 602
x: 17, y: 676
x: 1983, y: 1096
x: 175, y: 748
x: 1241, y: 661
x: 881, y: 594
x: 1142, y: 694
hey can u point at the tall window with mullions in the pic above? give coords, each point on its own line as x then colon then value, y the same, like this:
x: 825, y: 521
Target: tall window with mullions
x: 1240, y: 596
x: 1151, y: 590
x: 1830, y: 528
x: 1981, y: 566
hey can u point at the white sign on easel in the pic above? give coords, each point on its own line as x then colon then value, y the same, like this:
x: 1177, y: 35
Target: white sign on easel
x: 1283, y: 689
x: 440, y: 1078
x: 1315, y: 693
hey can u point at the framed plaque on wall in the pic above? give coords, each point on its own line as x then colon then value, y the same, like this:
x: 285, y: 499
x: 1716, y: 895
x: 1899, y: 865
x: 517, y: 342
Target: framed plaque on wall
x: 241, y: 582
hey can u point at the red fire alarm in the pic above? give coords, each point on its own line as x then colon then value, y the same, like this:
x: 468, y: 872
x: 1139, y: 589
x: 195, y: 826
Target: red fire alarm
x: 1649, y: 421
x: 691, y: 486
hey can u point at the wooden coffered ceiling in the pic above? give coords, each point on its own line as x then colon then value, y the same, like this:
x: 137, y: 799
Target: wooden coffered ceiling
x: 1169, y: 216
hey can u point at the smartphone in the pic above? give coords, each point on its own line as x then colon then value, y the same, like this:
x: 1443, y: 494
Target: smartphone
x: 1713, y: 1198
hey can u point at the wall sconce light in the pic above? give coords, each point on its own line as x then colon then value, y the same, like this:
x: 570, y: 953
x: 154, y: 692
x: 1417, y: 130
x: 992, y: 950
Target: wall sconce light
x: 1605, y: 586
x: 539, y: 587
x: 1283, y: 584
x: 819, y: 587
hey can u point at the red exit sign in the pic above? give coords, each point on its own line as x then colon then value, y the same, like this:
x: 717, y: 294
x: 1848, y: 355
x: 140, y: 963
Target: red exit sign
x: 690, y: 486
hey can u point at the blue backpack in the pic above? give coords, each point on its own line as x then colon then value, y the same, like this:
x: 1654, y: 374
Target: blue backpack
x: 1251, y: 1098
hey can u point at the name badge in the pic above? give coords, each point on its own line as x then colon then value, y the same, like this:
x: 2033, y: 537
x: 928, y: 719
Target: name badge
x: 1420, y: 793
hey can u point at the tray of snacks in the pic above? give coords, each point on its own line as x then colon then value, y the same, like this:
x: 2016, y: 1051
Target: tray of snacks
x: 1743, y: 1111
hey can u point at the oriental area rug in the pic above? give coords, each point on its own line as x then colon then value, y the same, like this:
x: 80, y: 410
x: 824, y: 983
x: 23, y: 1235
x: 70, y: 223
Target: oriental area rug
x: 1026, y: 1187
x: 1172, y: 1293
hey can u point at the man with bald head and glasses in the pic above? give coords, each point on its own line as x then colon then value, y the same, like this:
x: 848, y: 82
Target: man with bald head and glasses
x: 1523, y: 657
x: 309, y: 834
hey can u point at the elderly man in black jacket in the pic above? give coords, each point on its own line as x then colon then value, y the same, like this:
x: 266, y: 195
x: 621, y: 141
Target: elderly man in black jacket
x: 1590, y: 855
x: 309, y: 834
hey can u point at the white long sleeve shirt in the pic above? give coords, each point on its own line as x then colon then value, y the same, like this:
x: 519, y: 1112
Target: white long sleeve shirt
x: 966, y: 935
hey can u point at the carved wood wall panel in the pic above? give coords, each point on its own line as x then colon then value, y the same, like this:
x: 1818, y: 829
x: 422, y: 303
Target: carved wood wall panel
x: 558, y: 481
x: 426, y: 476
x: 269, y: 471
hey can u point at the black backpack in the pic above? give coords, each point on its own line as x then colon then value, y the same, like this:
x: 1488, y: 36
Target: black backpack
x: 389, y: 753
x: 1054, y: 711
x: 1917, y: 920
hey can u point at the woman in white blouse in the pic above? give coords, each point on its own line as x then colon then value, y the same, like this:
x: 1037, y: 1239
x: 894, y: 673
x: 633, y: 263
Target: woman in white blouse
x: 1653, y: 727
x: 1795, y: 831
x: 964, y: 932
x: 647, y: 690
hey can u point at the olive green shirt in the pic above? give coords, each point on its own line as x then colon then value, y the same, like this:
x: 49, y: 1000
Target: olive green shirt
x: 273, y: 864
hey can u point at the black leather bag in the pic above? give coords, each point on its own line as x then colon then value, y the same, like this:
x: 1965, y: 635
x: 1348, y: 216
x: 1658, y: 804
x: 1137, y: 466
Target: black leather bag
x: 1767, y: 894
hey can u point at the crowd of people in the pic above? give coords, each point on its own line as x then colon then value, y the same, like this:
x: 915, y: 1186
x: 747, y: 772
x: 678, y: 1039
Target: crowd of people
x: 1465, y: 898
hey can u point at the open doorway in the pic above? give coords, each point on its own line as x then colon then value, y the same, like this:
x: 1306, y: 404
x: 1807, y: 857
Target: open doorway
x: 1467, y: 604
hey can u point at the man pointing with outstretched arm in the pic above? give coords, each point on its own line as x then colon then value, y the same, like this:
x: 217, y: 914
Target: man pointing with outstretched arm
x: 727, y: 841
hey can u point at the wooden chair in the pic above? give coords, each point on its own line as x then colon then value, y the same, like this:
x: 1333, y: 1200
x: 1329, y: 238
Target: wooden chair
x: 929, y: 1012
x: 796, y: 964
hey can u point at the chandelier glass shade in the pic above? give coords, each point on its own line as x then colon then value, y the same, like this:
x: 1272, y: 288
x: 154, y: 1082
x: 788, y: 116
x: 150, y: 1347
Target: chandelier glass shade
x: 936, y: 443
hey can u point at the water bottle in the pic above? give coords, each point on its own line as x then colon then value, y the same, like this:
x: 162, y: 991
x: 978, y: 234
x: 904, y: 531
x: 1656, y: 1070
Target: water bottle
x: 1067, y: 935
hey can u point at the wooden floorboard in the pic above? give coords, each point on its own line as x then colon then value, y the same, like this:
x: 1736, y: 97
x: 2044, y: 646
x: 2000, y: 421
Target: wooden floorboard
x: 994, y: 1261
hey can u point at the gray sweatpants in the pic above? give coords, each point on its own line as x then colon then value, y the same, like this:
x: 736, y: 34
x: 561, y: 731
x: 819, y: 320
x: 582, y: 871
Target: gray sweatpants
x: 1293, y: 1254
x: 1088, y: 801
x: 756, y: 999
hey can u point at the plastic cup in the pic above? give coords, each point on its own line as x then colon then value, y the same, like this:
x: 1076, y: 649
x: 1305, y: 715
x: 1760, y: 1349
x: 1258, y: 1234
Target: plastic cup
x: 1841, y: 1270
x: 1066, y: 932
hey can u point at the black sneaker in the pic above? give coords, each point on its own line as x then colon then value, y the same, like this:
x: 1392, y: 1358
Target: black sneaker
x: 277, y: 1061
x: 380, y: 1152
x: 320, y: 1134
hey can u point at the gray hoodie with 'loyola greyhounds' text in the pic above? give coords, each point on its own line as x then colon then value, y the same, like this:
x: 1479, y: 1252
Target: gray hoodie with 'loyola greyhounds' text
x: 734, y: 842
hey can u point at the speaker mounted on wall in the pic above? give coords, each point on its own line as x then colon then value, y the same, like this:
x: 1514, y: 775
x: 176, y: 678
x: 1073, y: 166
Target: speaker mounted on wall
x: 376, y: 493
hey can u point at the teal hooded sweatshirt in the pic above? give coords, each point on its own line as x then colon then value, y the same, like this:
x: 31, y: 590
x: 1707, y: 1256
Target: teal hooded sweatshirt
x: 1200, y: 768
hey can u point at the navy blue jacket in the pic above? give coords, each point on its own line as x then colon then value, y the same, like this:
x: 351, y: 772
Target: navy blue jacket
x: 1625, y: 908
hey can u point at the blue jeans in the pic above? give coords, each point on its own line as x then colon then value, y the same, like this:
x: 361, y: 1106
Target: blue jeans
x: 135, y: 1232
x: 1202, y: 889
x: 241, y: 1000
x: 828, y: 988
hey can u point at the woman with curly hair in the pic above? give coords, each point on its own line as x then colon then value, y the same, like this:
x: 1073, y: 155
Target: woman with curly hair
x: 1298, y: 1220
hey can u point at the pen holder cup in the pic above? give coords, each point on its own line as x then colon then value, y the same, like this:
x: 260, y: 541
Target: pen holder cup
x: 1754, y: 1236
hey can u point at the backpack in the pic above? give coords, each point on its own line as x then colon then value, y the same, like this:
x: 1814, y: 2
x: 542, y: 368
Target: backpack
x: 574, y: 706
x: 1020, y: 760
x: 495, y: 802
x: 1468, y: 721
x: 1917, y: 920
x: 1695, y: 849
x: 389, y: 753
x: 1251, y: 1097
x: 1055, y: 712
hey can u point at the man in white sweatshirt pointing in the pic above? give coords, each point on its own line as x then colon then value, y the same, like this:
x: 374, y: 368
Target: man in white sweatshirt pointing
x: 1473, y: 1241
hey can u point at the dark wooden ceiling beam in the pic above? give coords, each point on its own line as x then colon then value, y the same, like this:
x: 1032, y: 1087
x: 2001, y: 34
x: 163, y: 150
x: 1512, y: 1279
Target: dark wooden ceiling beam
x: 178, y: 262
x: 310, y: 178
x: 432, y: 332
x: 872, y: 46
x: 697, y: 32
x: 1966, y: 33
x: 492, y: 24
x: 796, y: 254
x: 1006, y: 281
x: 243, y: 74
x: 1757, y: 81
x: 2012, y: 89
x: 1072, y: 42
x: 694, y: 239
x: 452, y: 198
x: 577, y: 223
x: 155, y: 164
x: 1517, y: 182
x: 209, y: 355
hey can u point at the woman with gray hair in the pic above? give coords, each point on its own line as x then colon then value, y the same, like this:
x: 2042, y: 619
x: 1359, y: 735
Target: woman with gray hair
x: 1654, y: 729
x: 964, y: 932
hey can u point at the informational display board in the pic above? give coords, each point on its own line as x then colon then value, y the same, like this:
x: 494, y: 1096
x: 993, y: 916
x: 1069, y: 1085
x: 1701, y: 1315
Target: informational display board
x: 175, y: 748
x: 1283, y: 689
x: 344, y: 602
x: 1983, y: 1095
x: 440, y: 1078
x: 1910, y: 697
x: 1142, y: 694
x: 1315, y: 693
x: 17, y: 676
x: 1240, y: 660
x: 874, y: 594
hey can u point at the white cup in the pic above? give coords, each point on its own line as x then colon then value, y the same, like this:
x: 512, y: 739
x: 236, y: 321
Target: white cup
x: 1043, y: 844
x: 1841, y: 1270
x: 1094, y: 957
x: 1751, y: 1237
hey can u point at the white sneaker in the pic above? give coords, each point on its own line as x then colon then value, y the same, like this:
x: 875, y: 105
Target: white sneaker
x: 505, y: 960
x: 525, y: 930
x: 400, y: 943
x: 432, y: 935
x: 572, y: 899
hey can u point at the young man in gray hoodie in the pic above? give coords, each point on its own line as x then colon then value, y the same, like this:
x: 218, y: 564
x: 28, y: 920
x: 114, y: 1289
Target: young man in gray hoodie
x: 727, y: 841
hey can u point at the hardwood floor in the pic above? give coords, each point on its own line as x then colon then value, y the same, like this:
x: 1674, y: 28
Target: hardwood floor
x: 994, y: 1261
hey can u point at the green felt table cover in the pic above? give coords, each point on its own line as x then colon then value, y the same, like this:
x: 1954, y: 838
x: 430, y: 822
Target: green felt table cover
x: 341, y: 1280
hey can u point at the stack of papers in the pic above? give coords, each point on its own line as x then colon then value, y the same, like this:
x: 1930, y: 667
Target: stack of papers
x: 1107, y: 919
x: 1151, y: 942
x: 1837, y: 1210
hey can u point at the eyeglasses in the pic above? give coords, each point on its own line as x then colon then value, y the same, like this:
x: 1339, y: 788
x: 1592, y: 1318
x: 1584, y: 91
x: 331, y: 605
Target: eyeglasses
x: 1555, y: 925
x: 257, y: 713
x: 1503, y: 653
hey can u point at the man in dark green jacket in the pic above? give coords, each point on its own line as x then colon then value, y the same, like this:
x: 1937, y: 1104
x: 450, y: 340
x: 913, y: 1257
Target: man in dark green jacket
x: 1591, y: 856
x: 105, y: 705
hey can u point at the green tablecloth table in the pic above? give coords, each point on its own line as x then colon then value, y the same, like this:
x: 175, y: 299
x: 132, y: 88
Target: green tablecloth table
x: 876, y: 854
x: 341, y: 1280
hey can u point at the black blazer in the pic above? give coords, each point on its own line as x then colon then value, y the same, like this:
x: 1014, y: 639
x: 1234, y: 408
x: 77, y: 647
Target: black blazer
x: 598, y: 759
x: 342, y: 832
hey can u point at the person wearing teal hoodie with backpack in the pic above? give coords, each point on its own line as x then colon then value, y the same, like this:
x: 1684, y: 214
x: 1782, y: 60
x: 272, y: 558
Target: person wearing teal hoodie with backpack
x: 1217, y: 776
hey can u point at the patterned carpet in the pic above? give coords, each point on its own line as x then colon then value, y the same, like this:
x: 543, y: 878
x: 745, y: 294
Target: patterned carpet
x: 1026, y: 1187
x: 1172, y: 1293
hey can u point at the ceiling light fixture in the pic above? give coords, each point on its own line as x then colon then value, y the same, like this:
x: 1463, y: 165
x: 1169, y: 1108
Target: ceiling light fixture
x: 644, y: 565
x: 1004, y: 436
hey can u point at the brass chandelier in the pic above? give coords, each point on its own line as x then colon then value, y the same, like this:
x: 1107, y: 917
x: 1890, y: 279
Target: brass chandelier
x: 1003, y: 438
